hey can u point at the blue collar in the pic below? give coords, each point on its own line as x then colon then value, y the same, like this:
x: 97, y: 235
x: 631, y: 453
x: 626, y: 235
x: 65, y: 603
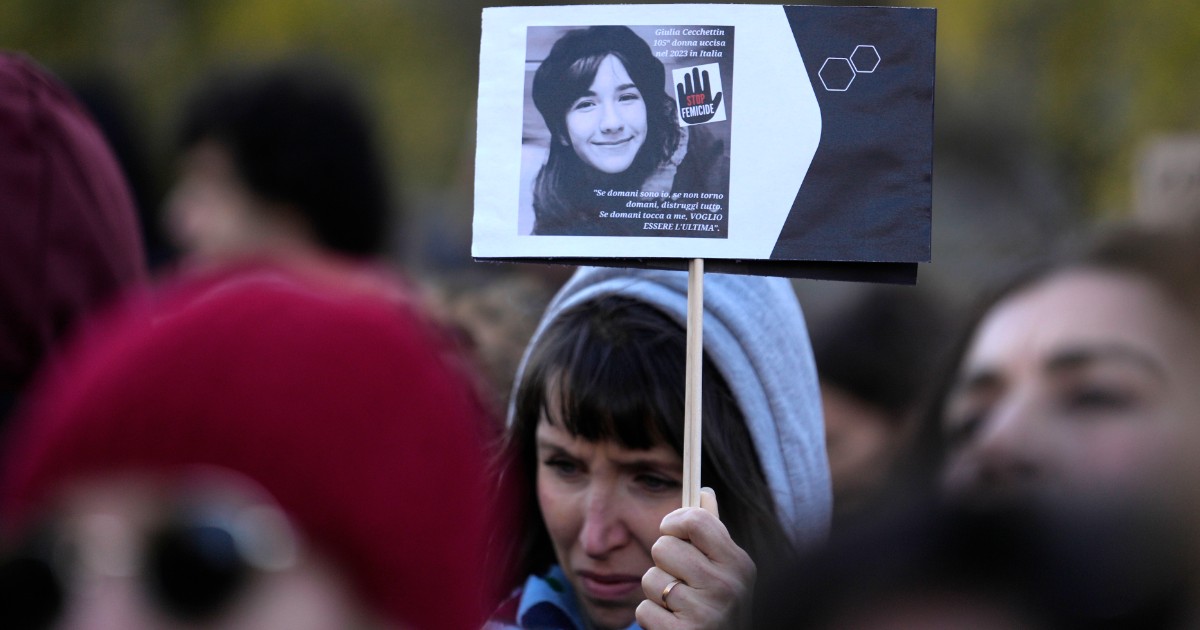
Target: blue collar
x: 548, y: 603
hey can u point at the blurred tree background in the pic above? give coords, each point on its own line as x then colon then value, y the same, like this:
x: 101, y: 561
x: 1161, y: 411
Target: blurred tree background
x: 1042, y: 106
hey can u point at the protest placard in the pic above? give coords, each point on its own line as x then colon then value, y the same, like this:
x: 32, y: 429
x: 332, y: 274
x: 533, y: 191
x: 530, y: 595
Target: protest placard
x: 776, y: 140
x: 773, y: 140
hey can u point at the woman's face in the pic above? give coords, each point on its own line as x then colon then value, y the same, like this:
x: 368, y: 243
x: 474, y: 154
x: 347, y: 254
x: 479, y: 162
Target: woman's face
x: 212, y: 215
x: 607, y: 125
x: 602, y: 504
x: 1083, y: 384
x: 210, y: 212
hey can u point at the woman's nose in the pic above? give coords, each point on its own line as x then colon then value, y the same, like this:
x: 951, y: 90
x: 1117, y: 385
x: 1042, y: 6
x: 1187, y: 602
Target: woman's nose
x: 1009, y: 450
x: 604, y: 529
x: 611, y: 120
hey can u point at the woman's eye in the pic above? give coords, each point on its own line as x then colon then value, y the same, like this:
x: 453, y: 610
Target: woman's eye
x: 1099, y: 399
x: 583, y: 104
x: 630, y: 96
x: 657, y: 483
x: 563, y: 467
x: 961, y: 430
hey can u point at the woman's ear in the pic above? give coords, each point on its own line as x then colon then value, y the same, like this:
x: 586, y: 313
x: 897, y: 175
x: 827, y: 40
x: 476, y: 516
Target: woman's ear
x: 563, y: 140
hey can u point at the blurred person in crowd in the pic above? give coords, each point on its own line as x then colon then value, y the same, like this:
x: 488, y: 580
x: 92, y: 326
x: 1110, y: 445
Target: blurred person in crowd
x: 602, y: 94
x: 1166, y: 182
x: 1078, y: 377
x: 1068, y: 428
x: 256, y: 448
x: 1074, y: 392
x: 69, y: 240
x: 877, y: 354
x: 596, y: 432
x: 279, y: 161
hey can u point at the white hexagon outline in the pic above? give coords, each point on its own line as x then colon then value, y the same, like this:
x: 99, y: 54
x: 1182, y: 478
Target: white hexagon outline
x: 878, y: 58
x: 853, y: 74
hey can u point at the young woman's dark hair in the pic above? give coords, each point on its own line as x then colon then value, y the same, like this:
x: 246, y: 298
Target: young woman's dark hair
x: 299, y: 135
x: 615, y: 367
x: 565, y: 182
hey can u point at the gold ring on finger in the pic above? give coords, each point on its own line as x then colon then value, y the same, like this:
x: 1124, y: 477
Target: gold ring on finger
x: 667, y: 591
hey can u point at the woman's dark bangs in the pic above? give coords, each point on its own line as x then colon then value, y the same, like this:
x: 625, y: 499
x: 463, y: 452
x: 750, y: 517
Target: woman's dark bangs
x: 582, y: 72
x: 609, y: 394
x: 606, y: 388
x: 579, y: 77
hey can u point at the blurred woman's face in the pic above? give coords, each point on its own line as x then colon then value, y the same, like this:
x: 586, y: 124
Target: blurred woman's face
x: 603, y: 504
x: 1082, y: 383
x: 606, y: 126
x: 210, y: 212
x: 212, y: 215
x: 134, y: 552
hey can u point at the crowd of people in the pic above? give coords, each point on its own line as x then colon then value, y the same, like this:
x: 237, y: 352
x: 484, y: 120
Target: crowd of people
x: 283, y: 431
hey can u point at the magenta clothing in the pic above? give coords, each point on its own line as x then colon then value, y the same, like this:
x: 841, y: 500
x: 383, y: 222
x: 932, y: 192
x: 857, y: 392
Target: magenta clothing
x: 69, y: 238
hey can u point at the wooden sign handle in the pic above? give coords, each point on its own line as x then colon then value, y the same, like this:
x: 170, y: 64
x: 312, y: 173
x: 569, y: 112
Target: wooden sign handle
x: 692, y: 390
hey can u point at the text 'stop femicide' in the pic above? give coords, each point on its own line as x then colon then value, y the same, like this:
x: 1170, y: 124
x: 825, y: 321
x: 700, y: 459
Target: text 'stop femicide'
x: 773, y: 140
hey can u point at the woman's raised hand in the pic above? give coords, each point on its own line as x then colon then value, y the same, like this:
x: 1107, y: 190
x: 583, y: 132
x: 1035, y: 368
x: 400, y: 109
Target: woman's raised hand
x: 701, y: 578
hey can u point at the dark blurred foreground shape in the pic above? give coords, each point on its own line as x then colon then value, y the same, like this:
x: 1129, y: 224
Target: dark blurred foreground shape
x: 1082, y: 565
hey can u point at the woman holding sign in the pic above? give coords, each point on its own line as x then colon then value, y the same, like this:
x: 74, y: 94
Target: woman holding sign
x: 613, y: 127
x: 596, y: 428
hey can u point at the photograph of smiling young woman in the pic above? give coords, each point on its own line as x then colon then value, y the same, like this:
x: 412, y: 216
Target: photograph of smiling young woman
x: 613, y: 126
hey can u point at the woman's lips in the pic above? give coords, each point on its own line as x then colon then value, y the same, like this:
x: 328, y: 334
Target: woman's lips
x: 613, y: 143
x: 608, y: 585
